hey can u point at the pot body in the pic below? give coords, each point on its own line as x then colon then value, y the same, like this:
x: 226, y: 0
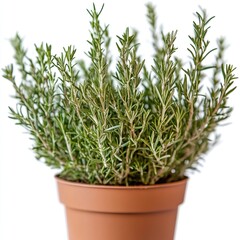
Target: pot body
x: 96, y: 212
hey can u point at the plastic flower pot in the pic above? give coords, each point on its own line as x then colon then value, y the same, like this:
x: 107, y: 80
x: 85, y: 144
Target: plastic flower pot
x: 99, y: 212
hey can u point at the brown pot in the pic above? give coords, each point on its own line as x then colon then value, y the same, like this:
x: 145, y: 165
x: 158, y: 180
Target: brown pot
x: 98, y: 212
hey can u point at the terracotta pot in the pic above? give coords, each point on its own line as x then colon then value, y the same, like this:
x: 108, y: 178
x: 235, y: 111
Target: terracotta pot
x: 98, y: 212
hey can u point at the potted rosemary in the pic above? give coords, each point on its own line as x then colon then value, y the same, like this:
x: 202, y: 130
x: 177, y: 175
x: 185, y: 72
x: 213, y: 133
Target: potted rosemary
x: 123, y: 138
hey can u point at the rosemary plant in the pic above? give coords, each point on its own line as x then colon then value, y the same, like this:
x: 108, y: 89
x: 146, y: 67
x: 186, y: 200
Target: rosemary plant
x: 127, y: 126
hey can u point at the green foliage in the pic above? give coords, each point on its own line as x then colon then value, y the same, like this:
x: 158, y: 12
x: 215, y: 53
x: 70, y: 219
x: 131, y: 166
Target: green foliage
x: 128, y: 127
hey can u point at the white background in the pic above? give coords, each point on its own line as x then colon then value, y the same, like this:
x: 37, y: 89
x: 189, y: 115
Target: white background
x: 29, y: 207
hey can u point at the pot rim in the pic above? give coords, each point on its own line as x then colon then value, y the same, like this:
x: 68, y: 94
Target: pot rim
x: 154, y: 186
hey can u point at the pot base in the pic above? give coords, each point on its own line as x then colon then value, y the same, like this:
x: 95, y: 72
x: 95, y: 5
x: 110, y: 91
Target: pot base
x: 109, y: 226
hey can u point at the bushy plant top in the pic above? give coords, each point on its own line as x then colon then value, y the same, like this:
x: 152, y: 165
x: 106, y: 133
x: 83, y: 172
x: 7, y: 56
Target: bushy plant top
x: 128, y: 124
